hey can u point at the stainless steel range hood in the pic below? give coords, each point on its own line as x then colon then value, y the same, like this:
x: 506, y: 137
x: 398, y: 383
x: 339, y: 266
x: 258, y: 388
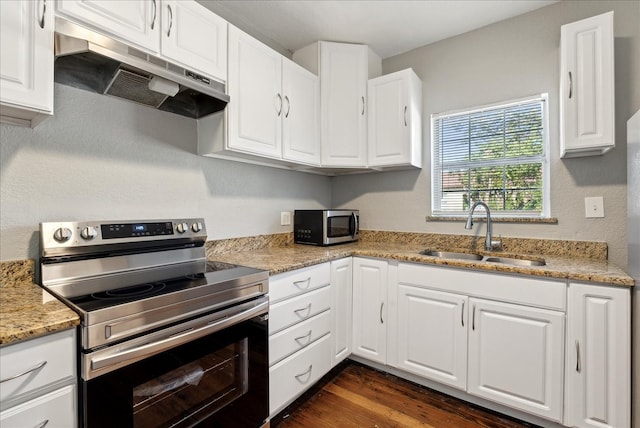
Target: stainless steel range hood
x: 91, y: 61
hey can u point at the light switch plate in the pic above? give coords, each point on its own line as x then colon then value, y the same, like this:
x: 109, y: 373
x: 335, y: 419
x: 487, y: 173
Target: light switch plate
x: 594, y: 207
x: 285, y: 218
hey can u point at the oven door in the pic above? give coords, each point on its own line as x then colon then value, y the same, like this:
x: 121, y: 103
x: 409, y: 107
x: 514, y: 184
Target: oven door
x: 218, y: 379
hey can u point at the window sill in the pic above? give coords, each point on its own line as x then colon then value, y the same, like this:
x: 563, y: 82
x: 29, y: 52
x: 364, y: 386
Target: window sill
x: 533, y: 220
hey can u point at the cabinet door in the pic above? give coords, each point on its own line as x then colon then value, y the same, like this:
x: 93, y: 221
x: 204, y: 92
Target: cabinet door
x: 587, y: 87
x: 341, y: 306
x: 598, y: 357
x: 135, y: 22
x: 301, y: 114
x: 369, y: 312
x: 195, y: 37
x: 516, y: 356
x: 395, y: 127
x: 254, y: 85
x: 26, y: 56
x: 432, y: 334
x: 343, y: 111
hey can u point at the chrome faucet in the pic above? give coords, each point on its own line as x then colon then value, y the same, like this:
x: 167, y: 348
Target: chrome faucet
x: 489, y: 243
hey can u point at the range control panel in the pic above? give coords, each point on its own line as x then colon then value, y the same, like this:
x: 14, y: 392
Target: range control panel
x: 87, y: 233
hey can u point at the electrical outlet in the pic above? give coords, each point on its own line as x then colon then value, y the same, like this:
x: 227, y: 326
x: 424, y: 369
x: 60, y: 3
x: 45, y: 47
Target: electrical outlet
x: 594, y: 207
x: 285, y: 218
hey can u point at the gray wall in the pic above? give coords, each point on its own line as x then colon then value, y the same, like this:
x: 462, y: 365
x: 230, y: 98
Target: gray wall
x: 100, y: 158
x: 512, y: 59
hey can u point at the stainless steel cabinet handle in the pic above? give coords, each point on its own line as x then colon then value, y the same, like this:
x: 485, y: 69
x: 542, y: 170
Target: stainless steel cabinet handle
x: 307, y: 308
x: 170, y: 20
x: 155, y: 14
x: 578, y: 365
x: 41, y: 23
x: 306, y: 282
x: 362, y: 106
x: 570, y: 85
x: 473, y: 319
x: 39, y: 366
x: 286, y: 98
x: 279, y: 106
x: 462, y: 314
x: 306, y: 372
x: 42, y: 424
x: 307, y: 338
x: 405, y: 115
x: 381, y: 306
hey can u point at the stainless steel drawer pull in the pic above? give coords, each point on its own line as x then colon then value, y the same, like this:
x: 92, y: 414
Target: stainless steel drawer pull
x: 42, y: 424
x: 307, y: 338
x: 170, y: 20
x: 286, y: 98
x: 305, y: 373
x: 578, y: 366
x: 155, y: 14
x: 462, y: 314
x: 44, y: 12
x: 306, y: 282
x: 405, y: 116
x: 381, y: 306
x: 362, y: 106
x: 307, y: 308
x: 473, y: 319
x: 570, y: 85
x: 39, y: 366
x: 279, y: 106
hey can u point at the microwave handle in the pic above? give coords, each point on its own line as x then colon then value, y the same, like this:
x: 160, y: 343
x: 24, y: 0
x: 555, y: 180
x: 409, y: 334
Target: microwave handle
x: 356, y: 226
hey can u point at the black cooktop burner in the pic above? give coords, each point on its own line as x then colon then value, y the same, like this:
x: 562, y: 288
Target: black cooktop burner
x: 134, y: 291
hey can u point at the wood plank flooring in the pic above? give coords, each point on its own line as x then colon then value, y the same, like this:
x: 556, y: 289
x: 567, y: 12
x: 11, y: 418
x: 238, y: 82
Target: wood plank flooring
x: 358, y: 396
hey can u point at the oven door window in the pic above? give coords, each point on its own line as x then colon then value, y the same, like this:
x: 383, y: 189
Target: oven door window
x: 220, y: 381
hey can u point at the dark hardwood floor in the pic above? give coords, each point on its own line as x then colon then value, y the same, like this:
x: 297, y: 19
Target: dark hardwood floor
x: 358, y: 396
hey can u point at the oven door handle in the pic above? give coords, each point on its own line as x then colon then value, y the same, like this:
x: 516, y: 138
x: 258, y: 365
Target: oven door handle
x: 187, y: 334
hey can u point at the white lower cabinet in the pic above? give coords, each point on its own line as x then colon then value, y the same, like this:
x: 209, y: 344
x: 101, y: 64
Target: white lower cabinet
x: 432, y: 334
x: 516, y: 356
x: 38, y: 382
x: 342, y: 309
x: 598, y: 375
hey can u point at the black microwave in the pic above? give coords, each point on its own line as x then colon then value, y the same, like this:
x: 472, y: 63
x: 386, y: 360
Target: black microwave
x: 325, y: 227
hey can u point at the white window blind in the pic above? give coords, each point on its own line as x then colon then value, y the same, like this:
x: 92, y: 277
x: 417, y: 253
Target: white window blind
x: 496, y: 154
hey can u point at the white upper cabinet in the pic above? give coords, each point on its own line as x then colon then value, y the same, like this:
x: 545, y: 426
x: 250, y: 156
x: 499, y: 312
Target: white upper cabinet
x: 598, y: 364
x: 344, y: 70
x: 133, y: 22
x: 195, y: 37
x: 254, y: 85
x: 395, y: 124
x: 182, y: 31
x: 587, y: 101
x: 26, y: 61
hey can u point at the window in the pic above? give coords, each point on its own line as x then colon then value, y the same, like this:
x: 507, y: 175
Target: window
x: 496, y: 154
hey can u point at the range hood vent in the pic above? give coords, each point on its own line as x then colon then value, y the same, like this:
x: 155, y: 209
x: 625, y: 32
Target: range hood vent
x: 90, y: 61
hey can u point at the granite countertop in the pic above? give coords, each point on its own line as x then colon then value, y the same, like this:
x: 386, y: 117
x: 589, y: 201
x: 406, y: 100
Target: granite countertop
x: 282, y: 259
x: 26, y: 310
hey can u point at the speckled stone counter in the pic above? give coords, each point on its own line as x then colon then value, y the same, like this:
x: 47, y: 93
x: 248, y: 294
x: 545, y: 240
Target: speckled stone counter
x: 24, y: 314
x: 574, y: 260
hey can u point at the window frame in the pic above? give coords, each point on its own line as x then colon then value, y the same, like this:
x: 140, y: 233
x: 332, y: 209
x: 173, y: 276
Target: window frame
x: 544, y: 158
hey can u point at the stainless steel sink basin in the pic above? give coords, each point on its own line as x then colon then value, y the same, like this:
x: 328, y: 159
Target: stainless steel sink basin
x: 451, y: 255
x: 515, y: 262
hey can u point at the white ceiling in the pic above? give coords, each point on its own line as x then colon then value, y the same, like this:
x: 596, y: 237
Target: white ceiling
x: 389, y: 27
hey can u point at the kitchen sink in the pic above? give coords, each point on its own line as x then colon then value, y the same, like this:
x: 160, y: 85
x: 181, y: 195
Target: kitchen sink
x: 477, y: 257
x: 451, y: 255
x: 515, y: 262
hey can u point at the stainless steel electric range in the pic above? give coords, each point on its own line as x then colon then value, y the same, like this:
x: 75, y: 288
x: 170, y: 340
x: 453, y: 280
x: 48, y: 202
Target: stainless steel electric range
x: 167, y: 338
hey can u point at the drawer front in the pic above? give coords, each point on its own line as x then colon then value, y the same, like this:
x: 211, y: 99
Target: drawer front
x: 57, y: 409
x: 298, y: 336
x: 56, y: 351
x: 292, y: 376
x: 299, y: 308
x: 299, y: 281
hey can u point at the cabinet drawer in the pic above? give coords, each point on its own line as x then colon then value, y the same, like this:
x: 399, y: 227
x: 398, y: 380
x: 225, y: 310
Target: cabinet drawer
x: 57, y: 350
x: 298, y: 336
x: 57, y: 408
x: 299, y: 308
x: 299, y: 281
x: 290, y: 377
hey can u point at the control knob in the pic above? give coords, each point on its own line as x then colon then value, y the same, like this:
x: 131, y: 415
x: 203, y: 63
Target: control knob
x: 196, y: 227
x: 89, y: 232
x: 182, y: 227
x: 62, y: 234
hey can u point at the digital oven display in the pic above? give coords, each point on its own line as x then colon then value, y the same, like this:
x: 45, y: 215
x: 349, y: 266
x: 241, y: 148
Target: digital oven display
x: 132, y: 230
